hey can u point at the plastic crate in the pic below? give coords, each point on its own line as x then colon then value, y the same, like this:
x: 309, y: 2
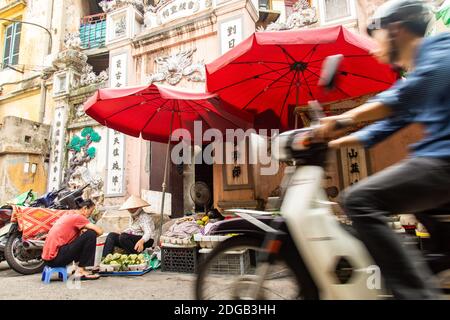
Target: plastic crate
x: 209, y: 241
x: 179, y: 259
x: 232, y: 262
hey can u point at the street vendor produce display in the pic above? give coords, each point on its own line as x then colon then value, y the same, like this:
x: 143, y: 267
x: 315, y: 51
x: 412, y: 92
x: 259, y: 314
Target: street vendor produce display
x: 183, y: 230
x: 123, y: 262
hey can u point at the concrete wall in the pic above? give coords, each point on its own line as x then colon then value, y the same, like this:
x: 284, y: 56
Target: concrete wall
x: 22, y: 141
x: 25, y: 106
x: 32, y: 51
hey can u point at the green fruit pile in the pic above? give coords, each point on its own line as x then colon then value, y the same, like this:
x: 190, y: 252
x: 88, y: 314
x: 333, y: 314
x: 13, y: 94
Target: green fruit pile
x: 124, y: 260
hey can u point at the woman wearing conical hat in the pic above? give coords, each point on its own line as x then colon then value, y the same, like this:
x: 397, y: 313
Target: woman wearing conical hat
x: 139, y: 235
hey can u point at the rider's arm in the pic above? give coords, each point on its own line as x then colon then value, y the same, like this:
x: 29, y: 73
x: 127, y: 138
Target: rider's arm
x: 370, y: 111
x: 373, y: 133
x: 378, y: 131
x: 430, y: 78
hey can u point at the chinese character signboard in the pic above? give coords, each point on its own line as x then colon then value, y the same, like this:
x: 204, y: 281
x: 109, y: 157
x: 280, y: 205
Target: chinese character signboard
x: 118, y: 76
x: 115, y: 169
x: 354, y: 165
x: 171, y: 10
x: 236, y: 172
x: 116, y: 140
x: 335, y: 11
x: 230, y: 34
x: 57, y: 150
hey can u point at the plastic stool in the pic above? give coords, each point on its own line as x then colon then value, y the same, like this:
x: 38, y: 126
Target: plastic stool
x: 48, y: 271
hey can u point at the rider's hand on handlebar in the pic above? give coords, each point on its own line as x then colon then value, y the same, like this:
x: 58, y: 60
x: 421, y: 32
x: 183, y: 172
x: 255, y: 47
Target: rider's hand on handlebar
x: 328, y: 128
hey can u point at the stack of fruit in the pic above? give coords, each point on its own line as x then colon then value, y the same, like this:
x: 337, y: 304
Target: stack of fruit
x: 203, y: 221
x: 123, y: 262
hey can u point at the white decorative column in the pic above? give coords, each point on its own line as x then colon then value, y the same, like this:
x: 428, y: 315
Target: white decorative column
x: 115, y: 164
x: 65, y: 78
x: 123, y: 22
x: 115, y: 172
x: 57, y: 153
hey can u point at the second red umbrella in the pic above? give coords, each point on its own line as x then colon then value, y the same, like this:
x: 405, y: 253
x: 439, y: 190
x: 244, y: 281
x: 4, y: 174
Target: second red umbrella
x: 271, y: 73
x: 154, y: 112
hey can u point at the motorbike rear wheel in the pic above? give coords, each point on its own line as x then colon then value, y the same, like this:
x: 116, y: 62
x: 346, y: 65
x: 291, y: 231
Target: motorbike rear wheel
x: 19, y: 259
x: 282, y: 275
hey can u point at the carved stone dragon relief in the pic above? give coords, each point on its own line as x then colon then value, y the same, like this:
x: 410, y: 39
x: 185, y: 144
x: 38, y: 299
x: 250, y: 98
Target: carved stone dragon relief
x: 303, y: 15
x: 72, y: 41
x: 79, y: 115
x: 88, y: 76
x: 173, y: 68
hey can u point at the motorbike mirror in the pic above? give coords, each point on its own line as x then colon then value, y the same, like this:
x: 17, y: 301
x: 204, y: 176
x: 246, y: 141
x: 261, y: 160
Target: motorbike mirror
x: 315, y: 111
x: 329, y: 70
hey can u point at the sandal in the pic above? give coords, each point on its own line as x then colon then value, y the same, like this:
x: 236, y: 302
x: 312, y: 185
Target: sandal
x: 95, y: 270
x: 87, y: 277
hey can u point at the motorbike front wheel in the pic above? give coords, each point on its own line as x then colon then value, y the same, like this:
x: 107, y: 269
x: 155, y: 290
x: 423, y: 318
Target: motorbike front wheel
x: 21, y: 260
x: 229, y: 272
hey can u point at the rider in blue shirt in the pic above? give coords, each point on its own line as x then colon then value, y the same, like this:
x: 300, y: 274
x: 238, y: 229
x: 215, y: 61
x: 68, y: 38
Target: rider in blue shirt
x: 422, y: 181
x: 423, y: 97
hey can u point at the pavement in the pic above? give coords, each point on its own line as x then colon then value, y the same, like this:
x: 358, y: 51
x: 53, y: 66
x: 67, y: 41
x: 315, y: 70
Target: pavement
x: 154, y: 285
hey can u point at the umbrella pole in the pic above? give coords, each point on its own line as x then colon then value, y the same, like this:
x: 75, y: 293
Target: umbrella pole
x: 297, y: 97
x: 163, y: 186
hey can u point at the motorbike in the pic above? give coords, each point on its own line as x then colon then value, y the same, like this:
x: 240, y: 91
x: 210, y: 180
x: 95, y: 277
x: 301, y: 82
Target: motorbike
x: 23, y: 199
x: 24, y: 256
x: 304, y: 252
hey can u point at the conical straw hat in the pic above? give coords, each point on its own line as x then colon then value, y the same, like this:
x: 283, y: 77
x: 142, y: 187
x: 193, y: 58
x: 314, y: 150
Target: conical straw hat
x: 134, y: 202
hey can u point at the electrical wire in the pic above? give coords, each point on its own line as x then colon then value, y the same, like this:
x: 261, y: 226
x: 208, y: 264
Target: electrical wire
x: 23, y: 67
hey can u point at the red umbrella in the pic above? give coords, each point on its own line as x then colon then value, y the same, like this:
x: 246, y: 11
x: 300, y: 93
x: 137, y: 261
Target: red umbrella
x: 155, y: 111
x: 270, y: 73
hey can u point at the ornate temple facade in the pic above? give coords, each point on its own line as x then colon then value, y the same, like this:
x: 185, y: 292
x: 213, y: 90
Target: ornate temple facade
x: 113, y: 43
